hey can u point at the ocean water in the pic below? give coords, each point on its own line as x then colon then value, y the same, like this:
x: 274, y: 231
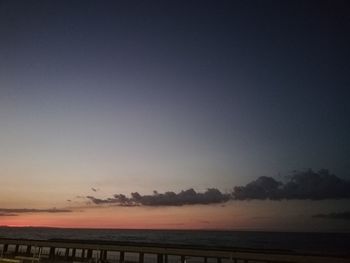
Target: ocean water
x: 316, y: 243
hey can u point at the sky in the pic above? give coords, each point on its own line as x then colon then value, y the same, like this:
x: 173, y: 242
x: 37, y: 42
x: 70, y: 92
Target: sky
x: 175, y: 114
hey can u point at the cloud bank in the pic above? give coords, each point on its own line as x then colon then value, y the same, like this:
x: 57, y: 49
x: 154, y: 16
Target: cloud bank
x: 300, y: 185
x: 185, y: 197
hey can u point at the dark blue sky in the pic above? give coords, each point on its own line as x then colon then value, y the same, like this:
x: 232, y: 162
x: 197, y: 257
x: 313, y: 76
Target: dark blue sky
x: 198, y: 92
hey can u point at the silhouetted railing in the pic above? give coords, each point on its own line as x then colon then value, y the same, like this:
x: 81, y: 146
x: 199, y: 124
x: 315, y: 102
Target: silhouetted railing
x: 25, y: 250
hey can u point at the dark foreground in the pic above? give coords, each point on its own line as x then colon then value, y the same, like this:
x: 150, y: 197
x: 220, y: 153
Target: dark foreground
x: 69, y: 250
x: 316, y: 243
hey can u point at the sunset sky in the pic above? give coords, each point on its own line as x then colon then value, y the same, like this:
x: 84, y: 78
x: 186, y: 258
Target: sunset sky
x: 101, y: 99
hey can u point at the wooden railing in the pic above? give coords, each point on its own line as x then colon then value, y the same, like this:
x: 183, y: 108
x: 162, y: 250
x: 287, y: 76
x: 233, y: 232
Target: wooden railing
x: 98, y: 251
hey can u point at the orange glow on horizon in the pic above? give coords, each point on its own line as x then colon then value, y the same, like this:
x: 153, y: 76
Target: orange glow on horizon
x: 198, y: 217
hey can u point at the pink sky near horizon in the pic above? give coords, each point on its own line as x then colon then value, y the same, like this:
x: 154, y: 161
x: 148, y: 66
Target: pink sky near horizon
x: 246, y: 215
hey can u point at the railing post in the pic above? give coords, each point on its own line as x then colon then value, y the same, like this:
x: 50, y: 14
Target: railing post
x: 4, y: 250
x: 16, y: 249
x: 73, y: 252
x: 234, y: 260
x: 89, y: 254
x: 183, y: 259
x: 104, y: 255
x: 52, y: 253
x: 141, y: 257
x: 121, y: 256
x: 28, y: 250
x: 159, y: 258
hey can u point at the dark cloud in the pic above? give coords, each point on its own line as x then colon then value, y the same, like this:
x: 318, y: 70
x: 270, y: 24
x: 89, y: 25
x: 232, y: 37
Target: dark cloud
x: 316, y: 185
x: 186, y: 197
x: 16, y: 211
x: 99, y: 201
x: 300, y: 185
x: 339, y: 215
x: 262, y: 188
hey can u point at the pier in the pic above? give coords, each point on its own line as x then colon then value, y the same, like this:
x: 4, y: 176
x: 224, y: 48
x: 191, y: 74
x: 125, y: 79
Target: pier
x: 57, y: 250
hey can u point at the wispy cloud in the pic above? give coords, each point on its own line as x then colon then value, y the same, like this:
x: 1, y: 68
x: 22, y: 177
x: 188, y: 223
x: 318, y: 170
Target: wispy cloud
x: 8, y: 214
x: 17, y: 211
x: 338, y: 215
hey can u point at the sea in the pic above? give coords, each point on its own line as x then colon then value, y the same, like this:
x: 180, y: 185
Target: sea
x: 311, y: 243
